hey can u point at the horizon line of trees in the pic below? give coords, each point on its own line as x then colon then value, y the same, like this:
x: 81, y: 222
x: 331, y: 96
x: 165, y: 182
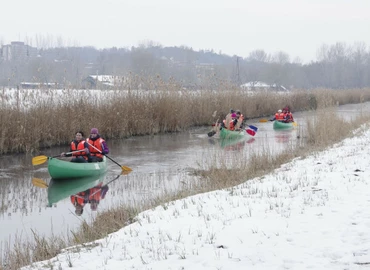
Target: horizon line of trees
x: 338, y: 66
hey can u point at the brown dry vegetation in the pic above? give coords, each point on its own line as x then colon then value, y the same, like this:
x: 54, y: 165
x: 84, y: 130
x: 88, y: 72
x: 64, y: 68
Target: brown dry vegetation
x: 52, y: 120
x: 169, y: 112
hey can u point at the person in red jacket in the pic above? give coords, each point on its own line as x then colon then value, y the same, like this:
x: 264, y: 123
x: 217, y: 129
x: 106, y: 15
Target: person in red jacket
x: 97, y: 146
x: 78, y: 144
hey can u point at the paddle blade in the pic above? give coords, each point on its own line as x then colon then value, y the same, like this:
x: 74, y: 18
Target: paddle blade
x: 125, y: 172
x: 295, y: 124
x: 211, y: 133
x: 39, y: 160
x: 250, y: 132
x: 263, y: 120
x: 253, y: 127
x: 126, y: 169
x: 37, y: 182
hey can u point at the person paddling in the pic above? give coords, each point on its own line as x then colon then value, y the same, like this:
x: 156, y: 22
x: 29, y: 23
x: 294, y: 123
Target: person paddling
x: 97, y: 146
x: 78, y: 144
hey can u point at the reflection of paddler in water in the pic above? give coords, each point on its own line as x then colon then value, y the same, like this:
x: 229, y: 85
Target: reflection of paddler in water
x: 93, y: 196
x: 283, y: 137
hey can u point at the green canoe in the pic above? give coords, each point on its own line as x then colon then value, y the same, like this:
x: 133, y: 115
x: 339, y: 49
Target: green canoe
x: 61, y: 169
x: 61, y: 189
x: 231, y: 134
x: 282, y: 126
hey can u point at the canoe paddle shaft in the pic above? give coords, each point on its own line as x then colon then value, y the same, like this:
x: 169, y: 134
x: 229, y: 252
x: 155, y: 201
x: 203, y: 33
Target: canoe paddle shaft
x: 124, y: 168
x: 42, y: 159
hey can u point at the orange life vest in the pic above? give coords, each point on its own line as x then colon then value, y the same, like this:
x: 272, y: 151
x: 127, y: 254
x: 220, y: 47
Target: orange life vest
x: 98, y: 144
x: 80, y: 146
x: 280, y: 117
x: 79, y: 198
x: 95, y: 193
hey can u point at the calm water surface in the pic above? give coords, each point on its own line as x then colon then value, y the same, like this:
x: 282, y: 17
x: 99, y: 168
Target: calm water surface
x: 160, y: 163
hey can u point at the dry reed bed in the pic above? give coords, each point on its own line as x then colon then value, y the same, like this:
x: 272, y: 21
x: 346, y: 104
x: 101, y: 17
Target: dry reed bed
x: 39, y: 119
x: 217, y: 172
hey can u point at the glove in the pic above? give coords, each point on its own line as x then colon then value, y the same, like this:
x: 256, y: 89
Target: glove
x: 63, y: 154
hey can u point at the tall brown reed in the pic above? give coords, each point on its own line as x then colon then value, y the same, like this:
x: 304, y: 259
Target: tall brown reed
x: 33, y: 119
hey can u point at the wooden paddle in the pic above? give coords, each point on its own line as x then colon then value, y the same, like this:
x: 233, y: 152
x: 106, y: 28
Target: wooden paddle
x: 214, y: 130
x: 124, y: 168
x: 42, y: 159
x: 263, y: 120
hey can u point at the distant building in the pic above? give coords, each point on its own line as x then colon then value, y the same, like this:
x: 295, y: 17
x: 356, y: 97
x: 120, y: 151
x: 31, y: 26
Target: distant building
x: 257, y: 85
x: 17, y: 50
x: 205, y: 66
x: 105, y: 81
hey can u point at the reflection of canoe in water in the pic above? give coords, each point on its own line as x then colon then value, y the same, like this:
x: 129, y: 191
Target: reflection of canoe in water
x: 231, y: 142
x: 61, y: 189
x: 61, y: 169
x: 282, y: 126
x: 231, y: 134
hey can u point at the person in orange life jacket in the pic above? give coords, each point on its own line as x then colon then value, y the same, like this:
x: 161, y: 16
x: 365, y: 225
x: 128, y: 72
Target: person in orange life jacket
x: 96, y: 194
x: 277, y: 116
x: 79, y: 200
x: 99, y: 143
x: 78, y: 144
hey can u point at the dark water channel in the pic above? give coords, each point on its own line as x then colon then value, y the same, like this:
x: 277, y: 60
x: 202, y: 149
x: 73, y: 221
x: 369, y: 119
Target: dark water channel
x: 160, y: 163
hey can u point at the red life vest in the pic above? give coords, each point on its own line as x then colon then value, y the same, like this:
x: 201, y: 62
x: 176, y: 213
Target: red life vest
x: 80, y: 146
x: 78, y: 199
x: 289, y: 117
x: 98, y: 144
x: 95, y: 193
x: 280, y: 117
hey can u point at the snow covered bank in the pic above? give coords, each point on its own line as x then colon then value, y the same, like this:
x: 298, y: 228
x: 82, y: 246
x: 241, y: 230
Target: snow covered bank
x: 309, y: 214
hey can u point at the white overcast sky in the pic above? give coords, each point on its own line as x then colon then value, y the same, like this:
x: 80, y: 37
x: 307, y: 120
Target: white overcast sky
x: 235, y: 27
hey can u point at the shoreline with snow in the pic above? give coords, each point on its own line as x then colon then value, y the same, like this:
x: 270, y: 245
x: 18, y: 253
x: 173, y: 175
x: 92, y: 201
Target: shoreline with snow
x: 308, y: 214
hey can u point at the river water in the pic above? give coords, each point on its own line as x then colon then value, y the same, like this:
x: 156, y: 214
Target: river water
x: 160, y: 163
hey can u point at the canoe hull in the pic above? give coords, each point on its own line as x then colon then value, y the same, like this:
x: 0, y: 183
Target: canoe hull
x: 282, y: 126
x: 61, y: 169
x: 230, y: 134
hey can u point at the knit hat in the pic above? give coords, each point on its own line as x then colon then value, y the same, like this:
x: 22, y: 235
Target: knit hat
x: 94, y: 131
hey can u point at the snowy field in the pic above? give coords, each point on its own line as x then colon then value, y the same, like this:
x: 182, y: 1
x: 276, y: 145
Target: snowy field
x: 309, y: 214
x: 30, y: 98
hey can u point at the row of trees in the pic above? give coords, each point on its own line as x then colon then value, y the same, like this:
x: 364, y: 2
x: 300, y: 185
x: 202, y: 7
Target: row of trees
x: 337, y: 66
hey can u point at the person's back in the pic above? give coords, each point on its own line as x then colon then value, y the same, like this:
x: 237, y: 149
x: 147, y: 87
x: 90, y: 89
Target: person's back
x: 239, y: 120
x: 228, y: 119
